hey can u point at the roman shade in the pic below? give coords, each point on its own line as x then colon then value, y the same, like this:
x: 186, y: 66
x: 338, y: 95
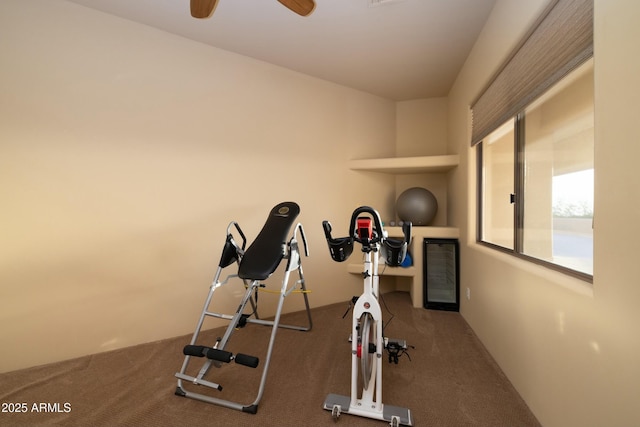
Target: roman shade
x: 561, y: 40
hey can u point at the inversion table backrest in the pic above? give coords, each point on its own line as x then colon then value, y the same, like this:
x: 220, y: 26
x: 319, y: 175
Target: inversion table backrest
x: 265, y: 253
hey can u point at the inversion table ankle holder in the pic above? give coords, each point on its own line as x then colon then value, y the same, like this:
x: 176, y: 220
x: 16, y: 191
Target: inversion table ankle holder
x: 255, y: 264
x: 367, y: 340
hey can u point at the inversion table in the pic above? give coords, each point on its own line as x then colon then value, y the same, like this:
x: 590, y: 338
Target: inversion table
x: 255, y: 265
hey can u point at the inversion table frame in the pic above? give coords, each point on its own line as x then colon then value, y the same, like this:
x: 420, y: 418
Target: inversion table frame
x: 255, y: 264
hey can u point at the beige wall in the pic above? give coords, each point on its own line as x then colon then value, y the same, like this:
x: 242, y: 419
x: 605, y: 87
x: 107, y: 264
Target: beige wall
x: 124, y: 154
x: 570, y: 348
x: 421, y: 130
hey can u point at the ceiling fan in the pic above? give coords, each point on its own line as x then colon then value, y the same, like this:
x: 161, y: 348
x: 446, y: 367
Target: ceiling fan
x: 204, y: 8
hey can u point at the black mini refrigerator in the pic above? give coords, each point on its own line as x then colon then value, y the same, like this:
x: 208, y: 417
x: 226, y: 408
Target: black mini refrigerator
x: 441, y: 270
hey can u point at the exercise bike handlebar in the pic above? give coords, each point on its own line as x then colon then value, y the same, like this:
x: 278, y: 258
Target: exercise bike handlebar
x: 340, y: 248
x: 379, y: 234
x: 406, y: 231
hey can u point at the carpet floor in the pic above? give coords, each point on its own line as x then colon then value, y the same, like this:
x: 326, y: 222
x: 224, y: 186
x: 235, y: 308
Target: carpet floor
x: 446, y: 379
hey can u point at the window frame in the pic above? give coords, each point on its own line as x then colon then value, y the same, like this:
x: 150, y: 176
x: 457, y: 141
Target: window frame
x: 518, y: 211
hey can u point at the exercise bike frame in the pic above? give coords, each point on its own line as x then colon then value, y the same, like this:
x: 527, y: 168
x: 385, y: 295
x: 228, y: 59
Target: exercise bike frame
x: 367, y: 314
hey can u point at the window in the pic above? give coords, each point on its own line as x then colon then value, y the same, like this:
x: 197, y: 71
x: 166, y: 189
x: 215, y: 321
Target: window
x: 497, y: 159
x: 536, y: 175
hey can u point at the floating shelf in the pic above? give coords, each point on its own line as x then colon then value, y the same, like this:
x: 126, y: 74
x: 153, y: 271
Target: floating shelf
x: 420, y: 232
x: 404, y: 165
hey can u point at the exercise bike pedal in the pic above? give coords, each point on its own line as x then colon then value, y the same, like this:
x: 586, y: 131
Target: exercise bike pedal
x: 395, y: 348
x: 395, y: 343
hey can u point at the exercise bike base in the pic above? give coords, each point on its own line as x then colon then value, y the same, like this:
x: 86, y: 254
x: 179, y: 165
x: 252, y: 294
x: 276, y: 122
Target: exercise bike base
x: 387, y: 414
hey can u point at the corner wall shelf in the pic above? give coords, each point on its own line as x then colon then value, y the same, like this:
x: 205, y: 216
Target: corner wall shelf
x: 405, y: 165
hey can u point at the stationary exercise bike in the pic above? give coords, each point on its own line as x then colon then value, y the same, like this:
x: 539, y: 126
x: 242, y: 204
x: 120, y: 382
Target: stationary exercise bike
x: 367, y: 340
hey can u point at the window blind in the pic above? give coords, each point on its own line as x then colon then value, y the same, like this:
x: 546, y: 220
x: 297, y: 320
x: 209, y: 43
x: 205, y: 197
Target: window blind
x: 561, y: 40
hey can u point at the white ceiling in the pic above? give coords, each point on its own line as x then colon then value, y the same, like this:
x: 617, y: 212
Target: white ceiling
x: 399, y: 49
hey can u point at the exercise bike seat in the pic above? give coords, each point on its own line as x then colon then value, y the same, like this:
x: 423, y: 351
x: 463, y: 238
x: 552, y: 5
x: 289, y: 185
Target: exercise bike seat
x: 265, y: 253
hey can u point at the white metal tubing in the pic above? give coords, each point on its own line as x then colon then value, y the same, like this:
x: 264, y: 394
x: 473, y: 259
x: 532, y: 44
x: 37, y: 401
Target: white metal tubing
x: 368, y: 303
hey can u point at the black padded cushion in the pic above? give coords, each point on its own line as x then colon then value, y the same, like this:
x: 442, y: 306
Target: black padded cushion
x: 265, y: 253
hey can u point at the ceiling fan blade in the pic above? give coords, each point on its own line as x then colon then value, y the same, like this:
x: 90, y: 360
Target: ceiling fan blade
x: 301, y: 7
x: 202, y: 8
